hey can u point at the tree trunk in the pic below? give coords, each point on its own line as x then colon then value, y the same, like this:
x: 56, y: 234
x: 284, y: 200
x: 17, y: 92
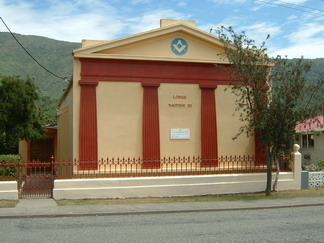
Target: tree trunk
x: 269, y: 179
x: 275, y: 184
x: 269, y: 171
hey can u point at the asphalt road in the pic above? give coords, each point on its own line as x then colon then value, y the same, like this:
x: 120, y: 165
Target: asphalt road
x: 295, y: 224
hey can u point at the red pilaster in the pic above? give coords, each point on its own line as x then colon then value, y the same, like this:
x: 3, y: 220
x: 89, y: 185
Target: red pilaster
x: 88, y: 126
x: 151, y: 126
x: 209, y: 150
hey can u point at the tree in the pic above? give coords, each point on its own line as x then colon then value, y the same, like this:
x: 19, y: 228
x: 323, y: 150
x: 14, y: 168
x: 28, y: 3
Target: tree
x: 20, y: 116
x: 48, y: 107
x: 272, y: 94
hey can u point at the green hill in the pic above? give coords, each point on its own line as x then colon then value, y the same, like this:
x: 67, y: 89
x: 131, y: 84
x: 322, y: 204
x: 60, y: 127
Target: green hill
x: 57, y: 57
x: 54, y: 55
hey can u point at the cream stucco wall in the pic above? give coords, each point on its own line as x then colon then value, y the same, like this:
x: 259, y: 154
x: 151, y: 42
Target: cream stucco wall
x: 120, y: 111
x: 65, y: 124
x: 76, y: 107
x: 63, y: 131
x: 120, y: 119
x: 228, y: 125
x: 160, y: 46
x: 23, y: 149
x: 180, y: 107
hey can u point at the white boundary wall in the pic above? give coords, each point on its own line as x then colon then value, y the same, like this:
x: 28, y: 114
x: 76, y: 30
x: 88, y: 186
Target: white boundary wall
x: 166, y: 186
x: 8, y: 190
x: 175, y: 185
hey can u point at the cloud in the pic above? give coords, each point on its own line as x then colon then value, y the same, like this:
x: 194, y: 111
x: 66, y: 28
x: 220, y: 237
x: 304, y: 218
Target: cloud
x: 307, y: 41
x: 151, y: 20
x: 256, y: 8
x: 308, y: 32
x: 71, y: 20
x: 232, y: 21
x: 182, y: 4
x: 293, y: 1
x: 292, y: 18
x: 259, y: 31
x: 228, y: 1
x: 74, y: 20
x: 307, y: 50
x: 140, y: 1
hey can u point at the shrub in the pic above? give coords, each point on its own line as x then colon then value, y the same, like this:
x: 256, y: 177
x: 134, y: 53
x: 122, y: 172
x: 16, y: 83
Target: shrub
x: 319, y: 166
x: 8, y: 166
x: 10, y: 158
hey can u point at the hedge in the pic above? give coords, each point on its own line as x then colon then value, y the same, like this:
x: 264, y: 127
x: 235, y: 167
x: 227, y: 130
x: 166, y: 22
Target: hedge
x: 8, y: 168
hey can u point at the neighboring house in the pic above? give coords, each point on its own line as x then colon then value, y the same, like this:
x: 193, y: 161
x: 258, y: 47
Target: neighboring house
x: 310, y: 137
x: 150, y: 95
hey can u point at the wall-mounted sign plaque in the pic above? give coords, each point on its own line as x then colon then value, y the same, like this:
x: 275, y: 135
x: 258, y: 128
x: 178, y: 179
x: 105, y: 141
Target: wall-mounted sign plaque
x: 183, y: 133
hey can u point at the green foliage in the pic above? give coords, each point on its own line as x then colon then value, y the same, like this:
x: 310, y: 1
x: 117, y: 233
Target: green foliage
x: 249, y: 70
x: 10, y: 158
x: 20, y: 116
x: 321, y: 164
x: 8, y: 166
x: 291, y: 101
x: 273, y: 94
x: 48, y: 107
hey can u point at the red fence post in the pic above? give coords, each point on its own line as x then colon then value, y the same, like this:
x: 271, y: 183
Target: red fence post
x: 52, y: 165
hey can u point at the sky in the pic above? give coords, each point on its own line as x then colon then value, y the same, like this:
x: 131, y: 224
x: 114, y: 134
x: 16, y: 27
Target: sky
x: 296, y: 27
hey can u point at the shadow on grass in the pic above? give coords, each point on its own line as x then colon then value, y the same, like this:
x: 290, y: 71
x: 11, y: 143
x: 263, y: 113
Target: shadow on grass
x: 318, y: 192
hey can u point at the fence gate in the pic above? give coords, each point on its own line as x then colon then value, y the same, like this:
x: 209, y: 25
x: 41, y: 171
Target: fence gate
x: 36, y: 180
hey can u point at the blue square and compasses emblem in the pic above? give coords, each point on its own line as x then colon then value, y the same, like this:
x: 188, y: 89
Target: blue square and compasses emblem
x: 179, y: 46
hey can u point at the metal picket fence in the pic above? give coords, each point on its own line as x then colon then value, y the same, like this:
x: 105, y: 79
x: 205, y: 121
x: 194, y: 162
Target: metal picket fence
x: 35, y: 178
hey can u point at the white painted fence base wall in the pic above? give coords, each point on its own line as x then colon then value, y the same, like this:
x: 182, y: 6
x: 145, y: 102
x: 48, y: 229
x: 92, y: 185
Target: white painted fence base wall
x: 167, y: 186
x: 8, y: 190
x: 175, y: 186
x: 164, y: 186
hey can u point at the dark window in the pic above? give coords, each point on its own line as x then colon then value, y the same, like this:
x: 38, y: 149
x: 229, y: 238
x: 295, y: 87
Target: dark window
x: 308, y: 140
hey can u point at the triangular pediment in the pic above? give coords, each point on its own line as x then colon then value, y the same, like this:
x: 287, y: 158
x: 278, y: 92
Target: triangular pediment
x: 178, y: 42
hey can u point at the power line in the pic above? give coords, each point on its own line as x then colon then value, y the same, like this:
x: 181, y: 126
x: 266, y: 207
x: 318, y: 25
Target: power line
x: 31, y: 54
x: 301, y: 6
x: 286, y: 5
x: 294, y: 8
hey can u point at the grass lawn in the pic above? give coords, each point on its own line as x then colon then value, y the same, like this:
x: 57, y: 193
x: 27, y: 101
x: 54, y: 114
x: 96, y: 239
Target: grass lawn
x: 316, y: 192
x: 8, y: 203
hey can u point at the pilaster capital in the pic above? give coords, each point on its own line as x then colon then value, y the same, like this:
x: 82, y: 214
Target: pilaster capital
x: 88, y: 82
x: 150, y: 84
x: 208, y: 85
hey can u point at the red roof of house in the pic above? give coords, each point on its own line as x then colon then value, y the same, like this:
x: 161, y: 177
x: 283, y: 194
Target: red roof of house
x: 316, y: 123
